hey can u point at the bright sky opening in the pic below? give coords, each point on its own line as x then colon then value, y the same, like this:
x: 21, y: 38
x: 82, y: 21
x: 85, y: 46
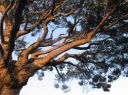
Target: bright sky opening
x: 46, y: 87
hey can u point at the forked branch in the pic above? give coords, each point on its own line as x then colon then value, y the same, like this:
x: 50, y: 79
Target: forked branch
x: 3, y: 18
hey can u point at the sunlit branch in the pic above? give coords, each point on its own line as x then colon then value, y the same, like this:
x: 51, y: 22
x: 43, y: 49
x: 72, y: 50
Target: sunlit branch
x: 71, y: 10
x: 50, y: 42
x: 3, y: 18
x: 41, y: 62
x: 2, y: 9
x: 29, y: 29
x: 44, y: 16
x: 66, y: 47
x: 25, y: 53
x: 38, y: 53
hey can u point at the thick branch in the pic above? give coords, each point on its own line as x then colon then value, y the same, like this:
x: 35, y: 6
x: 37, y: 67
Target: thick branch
x: 3, y: 18
x: 42, y: 62
x: 25, y: 53
x: 17, y: 21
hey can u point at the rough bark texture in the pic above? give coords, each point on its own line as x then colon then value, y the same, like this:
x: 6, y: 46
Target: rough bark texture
x: 14, y: 74
x: 6, y: 86
x: 12, y: 80
x: 7, y: 90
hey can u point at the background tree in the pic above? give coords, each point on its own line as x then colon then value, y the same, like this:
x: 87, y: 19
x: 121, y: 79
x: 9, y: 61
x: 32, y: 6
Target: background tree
x: 101, y: 24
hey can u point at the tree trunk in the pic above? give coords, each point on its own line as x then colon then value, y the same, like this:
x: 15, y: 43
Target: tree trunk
x: 12, y: 79
x: 8, y: 83
x: 7, y: 90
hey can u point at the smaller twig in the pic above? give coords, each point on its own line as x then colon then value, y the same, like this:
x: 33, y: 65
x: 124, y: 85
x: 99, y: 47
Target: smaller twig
x: 85, y: 48
x: 58, y: 72
x: 53, y: 7
x: 51, y: 36
x: 1, y: 51
x: 124, y: 17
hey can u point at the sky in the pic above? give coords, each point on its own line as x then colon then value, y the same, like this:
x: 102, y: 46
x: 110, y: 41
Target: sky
x: 46, y: 87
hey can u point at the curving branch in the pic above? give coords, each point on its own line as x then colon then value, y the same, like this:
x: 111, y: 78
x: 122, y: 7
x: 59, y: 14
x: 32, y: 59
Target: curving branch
x: 38, y: 53
x: 41, y: 62
x: 29, y: 29
x: 55, y: 63
x: 71, y: 10
x: 25, y: 53
x: 44, y: 15
x: 37, y: 44
x: 58, y: 72
x: 50, y: 42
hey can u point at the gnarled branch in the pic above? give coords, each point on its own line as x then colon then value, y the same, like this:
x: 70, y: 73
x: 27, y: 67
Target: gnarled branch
x: 3, y: 18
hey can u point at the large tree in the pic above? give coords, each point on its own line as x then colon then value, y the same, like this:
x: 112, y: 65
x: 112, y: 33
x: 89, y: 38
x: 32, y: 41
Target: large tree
x: 101, y: 24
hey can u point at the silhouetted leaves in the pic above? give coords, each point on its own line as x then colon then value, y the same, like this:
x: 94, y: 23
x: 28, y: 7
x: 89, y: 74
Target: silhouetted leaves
x: 56, y: 85
x: 81, y: 83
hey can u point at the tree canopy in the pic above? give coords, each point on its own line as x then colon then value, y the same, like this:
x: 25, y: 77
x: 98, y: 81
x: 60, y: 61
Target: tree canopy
x: 38, y: 34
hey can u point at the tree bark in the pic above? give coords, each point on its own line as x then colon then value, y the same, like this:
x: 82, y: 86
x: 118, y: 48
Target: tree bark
x: 9, y: 85
x: 7, y: 90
